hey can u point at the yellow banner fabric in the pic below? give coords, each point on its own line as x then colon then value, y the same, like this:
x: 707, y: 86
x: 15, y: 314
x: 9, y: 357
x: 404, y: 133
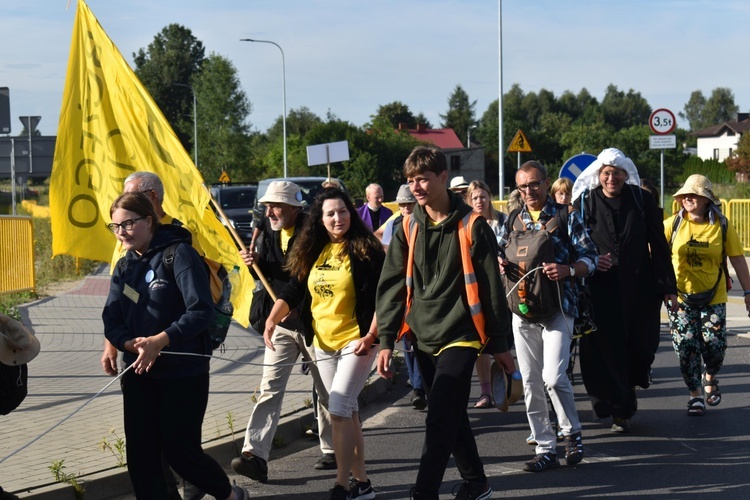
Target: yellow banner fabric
x: 109, y: 128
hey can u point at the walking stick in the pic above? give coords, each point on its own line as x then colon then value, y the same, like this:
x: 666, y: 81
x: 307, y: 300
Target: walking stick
x: 242, y: 246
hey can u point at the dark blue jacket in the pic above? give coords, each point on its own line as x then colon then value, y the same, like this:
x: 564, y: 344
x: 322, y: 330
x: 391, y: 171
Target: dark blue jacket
x: 178, y: 303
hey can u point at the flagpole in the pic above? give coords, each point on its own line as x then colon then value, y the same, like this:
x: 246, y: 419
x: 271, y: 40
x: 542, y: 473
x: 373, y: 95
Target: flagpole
x: 239, y: 242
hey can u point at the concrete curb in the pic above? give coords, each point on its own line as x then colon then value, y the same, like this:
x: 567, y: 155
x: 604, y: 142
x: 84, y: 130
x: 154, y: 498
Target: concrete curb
x: 116, y: 482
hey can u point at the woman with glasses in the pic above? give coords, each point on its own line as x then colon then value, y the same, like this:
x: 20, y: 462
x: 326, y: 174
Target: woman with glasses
x: 158, y: 315
x: 634, y: 275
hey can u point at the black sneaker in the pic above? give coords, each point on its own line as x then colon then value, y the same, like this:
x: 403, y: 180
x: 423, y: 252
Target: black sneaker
x: 473, y: 491
x: 360, y: 490
x: 573, y: 449
x: 418, y: 400
x: 251, y: 466
x: 339, y: 493
x: 327, y: 461
x: 542, y: 462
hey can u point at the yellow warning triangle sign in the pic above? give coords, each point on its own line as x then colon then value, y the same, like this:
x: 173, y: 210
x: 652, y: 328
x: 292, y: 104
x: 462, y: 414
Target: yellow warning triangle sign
x: 224, y: 177
x: 519, y: 144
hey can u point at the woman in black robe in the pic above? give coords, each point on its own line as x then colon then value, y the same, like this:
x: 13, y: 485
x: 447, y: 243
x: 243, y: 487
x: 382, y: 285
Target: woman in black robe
x: 632, y: 279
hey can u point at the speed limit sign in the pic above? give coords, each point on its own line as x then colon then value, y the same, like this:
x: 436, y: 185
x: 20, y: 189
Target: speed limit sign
x: 662, y: 121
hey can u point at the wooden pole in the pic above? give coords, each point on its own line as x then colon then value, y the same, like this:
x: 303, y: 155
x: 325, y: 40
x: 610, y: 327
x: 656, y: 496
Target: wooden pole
x: 242, y: 246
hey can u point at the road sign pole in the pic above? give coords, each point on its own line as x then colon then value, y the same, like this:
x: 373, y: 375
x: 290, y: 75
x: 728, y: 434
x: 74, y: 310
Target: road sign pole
x: 518, y: 161
x: 662, y: 178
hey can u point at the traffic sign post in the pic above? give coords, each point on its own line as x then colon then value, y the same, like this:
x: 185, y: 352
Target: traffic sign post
x: 662, y: 122
x: 572, y: 168
x: 519, y: 144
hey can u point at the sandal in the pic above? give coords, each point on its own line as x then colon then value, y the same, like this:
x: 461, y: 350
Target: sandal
x: 696, y: 408
x: 713, y: 398
x: 484, y: 401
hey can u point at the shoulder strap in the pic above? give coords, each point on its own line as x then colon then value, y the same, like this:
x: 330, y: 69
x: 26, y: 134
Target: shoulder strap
x: 168, y: 257
x: 675, y: 226
x: 510, y: 222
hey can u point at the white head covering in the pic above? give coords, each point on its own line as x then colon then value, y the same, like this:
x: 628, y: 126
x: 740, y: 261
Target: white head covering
x: 589, y: 178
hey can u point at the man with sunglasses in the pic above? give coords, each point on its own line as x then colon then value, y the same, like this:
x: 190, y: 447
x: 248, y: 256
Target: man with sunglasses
x: 543, y: 346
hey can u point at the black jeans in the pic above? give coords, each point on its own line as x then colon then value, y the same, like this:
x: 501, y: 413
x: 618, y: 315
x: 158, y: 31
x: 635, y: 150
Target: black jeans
x: 165, y: 416
x: 447, y: 380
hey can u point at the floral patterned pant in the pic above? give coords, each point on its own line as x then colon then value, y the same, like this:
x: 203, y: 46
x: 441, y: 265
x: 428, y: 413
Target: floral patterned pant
x: 699, y: 333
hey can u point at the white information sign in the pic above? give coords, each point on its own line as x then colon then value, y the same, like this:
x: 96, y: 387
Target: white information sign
x: 662, y: 141
x: 320, y: 154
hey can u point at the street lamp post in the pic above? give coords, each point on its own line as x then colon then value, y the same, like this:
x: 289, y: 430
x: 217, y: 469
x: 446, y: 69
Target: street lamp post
x: 468, y: 135
x: 283, y: 87
x: 195, y: 121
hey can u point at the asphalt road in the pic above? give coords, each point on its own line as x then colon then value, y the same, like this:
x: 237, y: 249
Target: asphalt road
x: 668, y: 454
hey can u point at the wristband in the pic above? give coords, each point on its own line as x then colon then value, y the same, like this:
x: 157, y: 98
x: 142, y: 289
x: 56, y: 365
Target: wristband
x: 747, y: 292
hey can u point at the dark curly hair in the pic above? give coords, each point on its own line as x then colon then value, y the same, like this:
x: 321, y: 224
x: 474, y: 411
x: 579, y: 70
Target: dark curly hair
x: 313, y: 237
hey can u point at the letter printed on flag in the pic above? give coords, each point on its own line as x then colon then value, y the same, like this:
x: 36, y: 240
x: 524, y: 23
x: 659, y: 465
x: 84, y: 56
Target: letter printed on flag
x: 109, y: 128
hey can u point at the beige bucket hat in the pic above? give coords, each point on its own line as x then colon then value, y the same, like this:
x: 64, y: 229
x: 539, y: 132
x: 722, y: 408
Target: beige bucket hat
x: 700, y: 185
x: 18, y: 345
x: 283, y: 192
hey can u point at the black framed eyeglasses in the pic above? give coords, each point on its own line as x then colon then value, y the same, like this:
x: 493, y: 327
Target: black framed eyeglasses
x: 531, y: 186
x: 126, y: 225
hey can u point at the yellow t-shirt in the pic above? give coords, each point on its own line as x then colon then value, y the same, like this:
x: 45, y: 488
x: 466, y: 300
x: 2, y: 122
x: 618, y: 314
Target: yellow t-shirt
x: 331, y: 286
x: 697, y: 255
x: 286, y: 235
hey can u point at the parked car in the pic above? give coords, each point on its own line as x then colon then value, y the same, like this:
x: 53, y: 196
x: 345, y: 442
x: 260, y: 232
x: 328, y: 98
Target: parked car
x: 237, y: 201
x: 310, y: 186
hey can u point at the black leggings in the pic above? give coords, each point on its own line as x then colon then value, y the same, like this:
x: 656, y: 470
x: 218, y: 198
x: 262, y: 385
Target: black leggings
x: 165, y: 416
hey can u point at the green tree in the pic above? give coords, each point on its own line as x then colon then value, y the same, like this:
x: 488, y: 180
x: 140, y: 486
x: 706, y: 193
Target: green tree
x: 623, y: 110
x: 693, y: 111
x: 175, y: 56
x: 298, y: 122
x: 223, y: 109
x: 460, y: 115
x: 395, y: 113
x: 720, y: 107
x: 703, y: 113
x: 422, y: 120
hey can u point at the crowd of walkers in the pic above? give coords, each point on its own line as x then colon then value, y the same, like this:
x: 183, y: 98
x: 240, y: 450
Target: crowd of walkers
x: 449, y: 276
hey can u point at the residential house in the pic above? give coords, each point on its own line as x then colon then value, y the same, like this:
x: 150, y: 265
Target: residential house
x: 465, y: 161
x: 719, y: 141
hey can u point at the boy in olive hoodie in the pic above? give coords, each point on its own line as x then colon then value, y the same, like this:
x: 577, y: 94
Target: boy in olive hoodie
x: 446, y: 336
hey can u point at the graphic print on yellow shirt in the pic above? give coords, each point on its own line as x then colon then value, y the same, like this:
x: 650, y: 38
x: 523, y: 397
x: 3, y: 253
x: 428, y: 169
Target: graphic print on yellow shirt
x: 331, y: 286
x: 697, y: 255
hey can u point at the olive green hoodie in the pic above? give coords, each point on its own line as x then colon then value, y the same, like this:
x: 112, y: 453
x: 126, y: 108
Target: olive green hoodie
x: 440, y: 313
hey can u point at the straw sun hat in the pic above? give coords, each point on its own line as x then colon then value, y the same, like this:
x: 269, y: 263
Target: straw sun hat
x: 18, y: 345
x: 700, y: 185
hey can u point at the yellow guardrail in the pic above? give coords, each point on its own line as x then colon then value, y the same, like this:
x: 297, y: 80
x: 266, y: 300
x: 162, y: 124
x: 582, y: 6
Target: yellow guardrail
x: 724, y: 206
x: 738, y: 213
x: 16, y: 254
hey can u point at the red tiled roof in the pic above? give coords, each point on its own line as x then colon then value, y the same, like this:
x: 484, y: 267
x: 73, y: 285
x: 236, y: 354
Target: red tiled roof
x: 444, y: 138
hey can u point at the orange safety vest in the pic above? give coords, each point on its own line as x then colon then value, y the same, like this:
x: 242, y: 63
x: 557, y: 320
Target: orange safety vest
x: 470, y: 279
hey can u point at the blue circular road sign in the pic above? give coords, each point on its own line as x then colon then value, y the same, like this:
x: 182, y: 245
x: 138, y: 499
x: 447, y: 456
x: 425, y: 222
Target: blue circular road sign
x: 575, y: 165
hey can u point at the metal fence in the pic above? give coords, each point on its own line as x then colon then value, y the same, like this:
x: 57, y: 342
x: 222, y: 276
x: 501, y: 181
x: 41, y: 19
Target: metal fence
x: 16, y: 254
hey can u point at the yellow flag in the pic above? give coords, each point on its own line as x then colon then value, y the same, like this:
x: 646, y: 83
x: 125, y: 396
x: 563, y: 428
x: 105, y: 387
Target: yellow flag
x: 109, y: 128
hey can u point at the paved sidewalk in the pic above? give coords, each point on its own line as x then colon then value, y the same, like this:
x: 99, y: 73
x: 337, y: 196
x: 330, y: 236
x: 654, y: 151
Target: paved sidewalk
x: 67, y: 374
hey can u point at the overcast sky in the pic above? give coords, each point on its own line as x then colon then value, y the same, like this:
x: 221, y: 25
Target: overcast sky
x: 350, y: 56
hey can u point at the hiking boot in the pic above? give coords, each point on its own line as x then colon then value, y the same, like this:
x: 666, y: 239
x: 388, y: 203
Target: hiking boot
x: 542, y: 462
x: 327, y: 461
x: 573, y: 449
x: 473, y: 491
x: 339, y: 493
x: 418, y: 400
x: 360, y: 490
x: 251, y: 466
